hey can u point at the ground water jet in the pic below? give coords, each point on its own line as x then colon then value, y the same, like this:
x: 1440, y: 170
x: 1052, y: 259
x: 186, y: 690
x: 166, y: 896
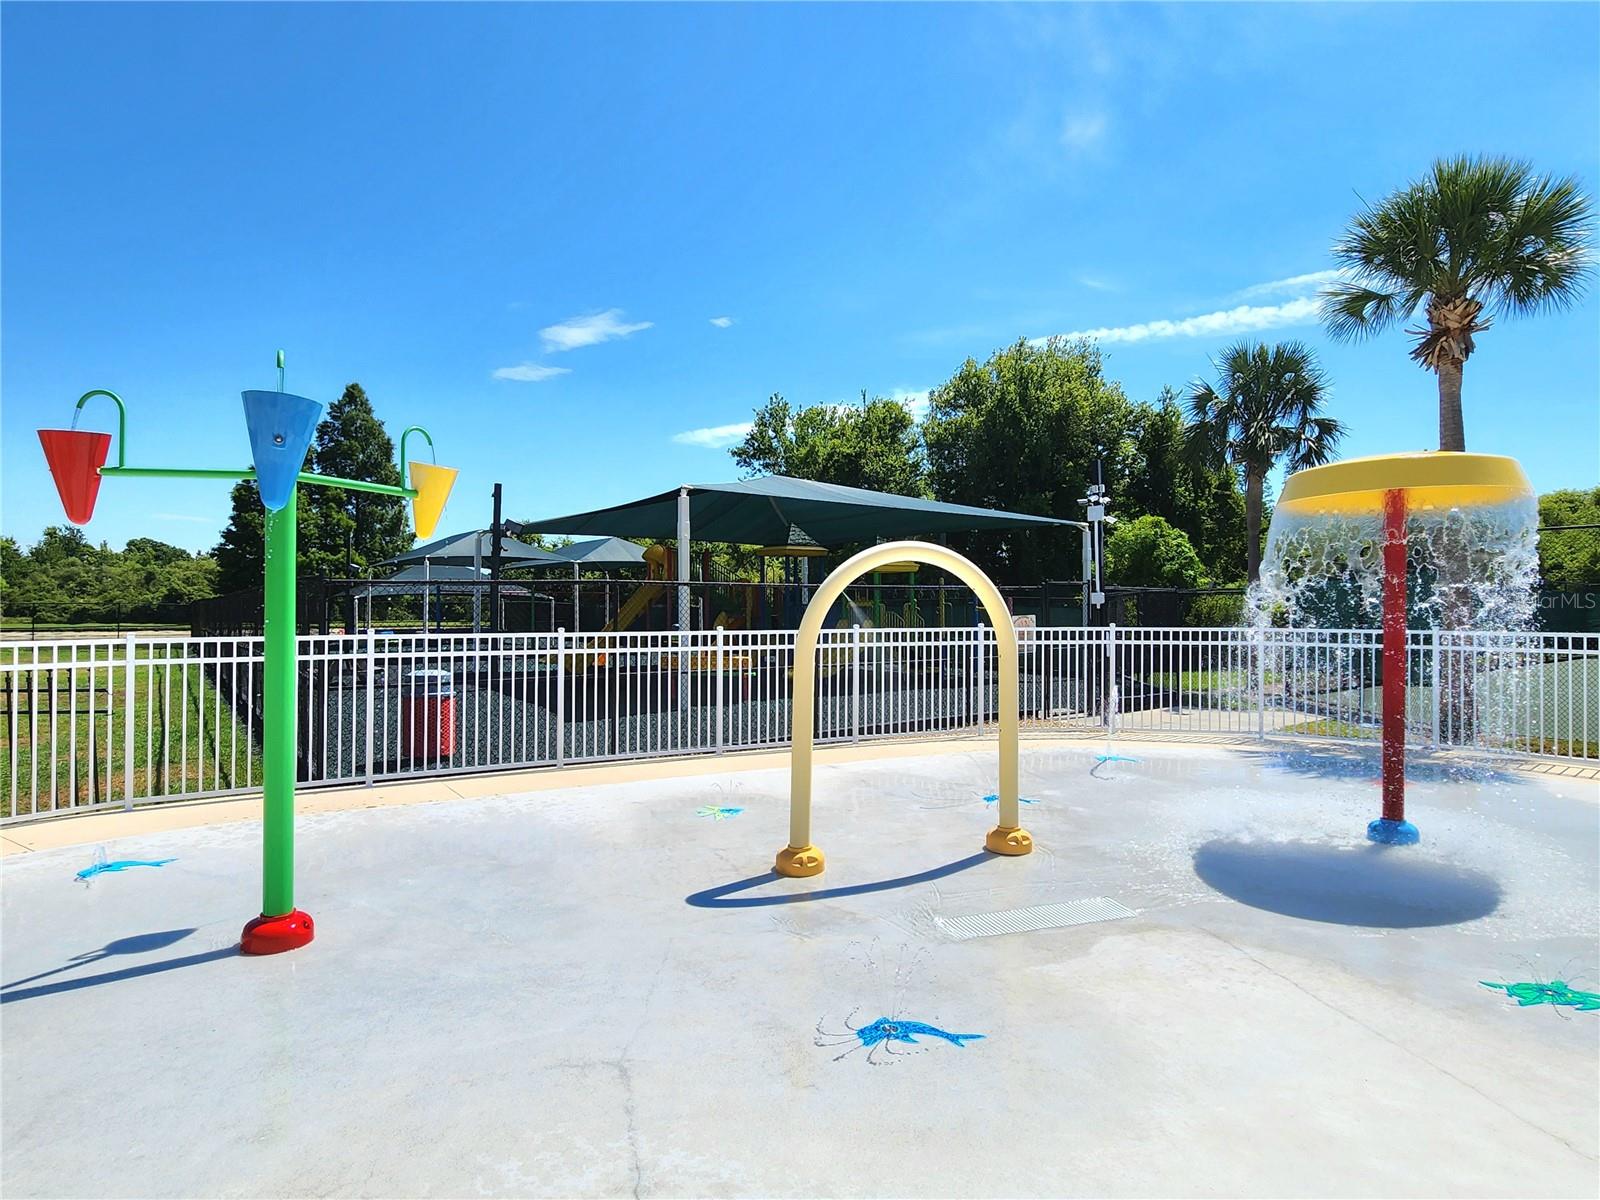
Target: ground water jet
x: 1113, y: 710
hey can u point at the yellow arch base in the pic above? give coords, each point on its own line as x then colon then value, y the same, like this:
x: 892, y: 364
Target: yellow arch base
x: 1431, y: 479
x: 800, y: 858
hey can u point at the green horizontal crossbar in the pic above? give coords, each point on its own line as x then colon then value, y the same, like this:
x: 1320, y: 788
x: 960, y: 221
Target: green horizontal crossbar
x: 353, y: 485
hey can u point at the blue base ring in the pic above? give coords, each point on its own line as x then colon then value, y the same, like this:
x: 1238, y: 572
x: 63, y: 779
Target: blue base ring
x: 1392, y: 833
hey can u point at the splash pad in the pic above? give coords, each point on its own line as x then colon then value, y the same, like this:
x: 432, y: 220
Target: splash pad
x: 1465, y: 521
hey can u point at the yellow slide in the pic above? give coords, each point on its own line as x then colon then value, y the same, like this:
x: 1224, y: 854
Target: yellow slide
x: 634, y: 608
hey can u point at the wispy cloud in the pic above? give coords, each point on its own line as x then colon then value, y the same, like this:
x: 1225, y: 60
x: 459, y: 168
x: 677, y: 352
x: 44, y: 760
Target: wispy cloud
x: 589, y: 330
x: 189, y: 517
x: 530, y: 372
x: 1243, y: 319
x: 916, y: 402
x: 1083, y: 130
x: 714, y: 437
x: 1096, y: 284
x: 722, y: 322
x: 1295, y: 285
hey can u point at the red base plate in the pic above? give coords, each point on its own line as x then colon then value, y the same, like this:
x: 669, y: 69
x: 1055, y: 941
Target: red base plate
x: 274, y: 935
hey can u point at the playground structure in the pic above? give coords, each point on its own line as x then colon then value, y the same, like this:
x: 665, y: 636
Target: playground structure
x: 1396, y: 488
x: 280, y: 427
x: 801, y: 857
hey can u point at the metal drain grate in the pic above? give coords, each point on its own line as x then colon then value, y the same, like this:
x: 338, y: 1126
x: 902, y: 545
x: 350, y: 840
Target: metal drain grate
x: 1041, y: 916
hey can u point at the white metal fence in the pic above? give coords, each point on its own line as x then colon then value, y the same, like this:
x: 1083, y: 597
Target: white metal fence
x: 120, y: 721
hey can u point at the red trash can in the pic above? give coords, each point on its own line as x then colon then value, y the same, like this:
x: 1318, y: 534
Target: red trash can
x: 428, y: 715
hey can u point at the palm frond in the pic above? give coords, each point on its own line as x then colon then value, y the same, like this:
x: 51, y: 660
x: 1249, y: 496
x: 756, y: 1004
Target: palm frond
x: 1545, y: 256
x: 1265, y: 405
x: 1485, y: 229
x: 1352, y: 310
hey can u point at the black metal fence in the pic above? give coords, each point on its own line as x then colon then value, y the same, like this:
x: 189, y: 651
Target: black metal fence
x: 619, y: 605
x: 646, y: 606
x: 98, y: 618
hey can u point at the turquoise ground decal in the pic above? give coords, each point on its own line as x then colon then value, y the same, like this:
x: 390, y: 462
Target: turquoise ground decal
x: 100, y: 866
x: 1555, y: 993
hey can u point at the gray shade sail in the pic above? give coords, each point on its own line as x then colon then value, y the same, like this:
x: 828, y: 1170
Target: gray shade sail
x: 761, y: 512
x: 603, y: 552
x: 435, y: 577
x: 456, y: 551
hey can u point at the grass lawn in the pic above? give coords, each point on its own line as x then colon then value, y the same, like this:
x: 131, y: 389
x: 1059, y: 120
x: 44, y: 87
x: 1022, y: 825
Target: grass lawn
x: 1202, y: 681
x: 1327, y: 727
x: 186, y: 738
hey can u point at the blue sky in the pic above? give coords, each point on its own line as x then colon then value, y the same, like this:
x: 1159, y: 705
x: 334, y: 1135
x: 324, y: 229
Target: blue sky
x: 581, y: 243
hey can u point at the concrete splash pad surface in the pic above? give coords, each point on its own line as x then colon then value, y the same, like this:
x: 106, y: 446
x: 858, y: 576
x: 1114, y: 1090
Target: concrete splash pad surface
x: 515, y: 996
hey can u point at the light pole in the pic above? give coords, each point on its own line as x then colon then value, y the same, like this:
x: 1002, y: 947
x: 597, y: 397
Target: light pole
x: 1094, y: 505
x: 280, y: 427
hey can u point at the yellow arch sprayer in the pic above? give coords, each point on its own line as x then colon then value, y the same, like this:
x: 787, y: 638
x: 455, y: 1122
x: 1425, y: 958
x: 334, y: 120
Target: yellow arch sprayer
x: 801, y: 857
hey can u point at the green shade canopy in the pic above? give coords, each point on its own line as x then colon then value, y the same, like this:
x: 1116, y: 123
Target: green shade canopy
x: 762, y: 512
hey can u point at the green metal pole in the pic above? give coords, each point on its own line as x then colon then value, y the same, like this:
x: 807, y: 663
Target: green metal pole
x: 278, y: 736
x: 280, y: 926
x: 354, y: 485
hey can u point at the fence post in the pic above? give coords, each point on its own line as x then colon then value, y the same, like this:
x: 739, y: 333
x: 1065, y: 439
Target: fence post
x: 1438, y: 682
x: 981, y: 699
x: 1259, y: 637
x: 855, y: 682
x: 1111, y: 674
x: 721, y: 665
x: 127, y: 724
x: 372, y: 693
x: 561, y: 696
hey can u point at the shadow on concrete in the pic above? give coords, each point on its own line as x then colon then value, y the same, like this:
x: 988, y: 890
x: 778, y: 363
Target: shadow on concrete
x: 1380, y: 887
x: 723, y: 896
x: 141, y: 943
x: 1350, y: 761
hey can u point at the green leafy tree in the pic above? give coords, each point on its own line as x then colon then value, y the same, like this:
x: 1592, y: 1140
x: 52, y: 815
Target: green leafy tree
x: 240, y: 553
x: 353, y: 531
x: 1201, y: 499
x: 1474, y: 239
x: 156, y: 552
x: 64, y: 578
x: 1570, y: 559
x: 339, y: 531
x: 1022, y: 432
x: 63, y: 575
x: 62, y: 543
x: 1150, y: 552
x: 1263, y: 407
x: 873, y: 444
x: 15, y: 571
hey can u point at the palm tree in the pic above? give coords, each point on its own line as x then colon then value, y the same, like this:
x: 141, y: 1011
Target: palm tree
x: 1263, y: 408
x: 1476, y: 238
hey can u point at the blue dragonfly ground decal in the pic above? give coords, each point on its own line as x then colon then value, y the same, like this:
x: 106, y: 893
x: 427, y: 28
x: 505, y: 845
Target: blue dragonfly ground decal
x: 995, y: 799
x: 100, y: 866
x: 883, y: 1035
x: 722, y: 812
